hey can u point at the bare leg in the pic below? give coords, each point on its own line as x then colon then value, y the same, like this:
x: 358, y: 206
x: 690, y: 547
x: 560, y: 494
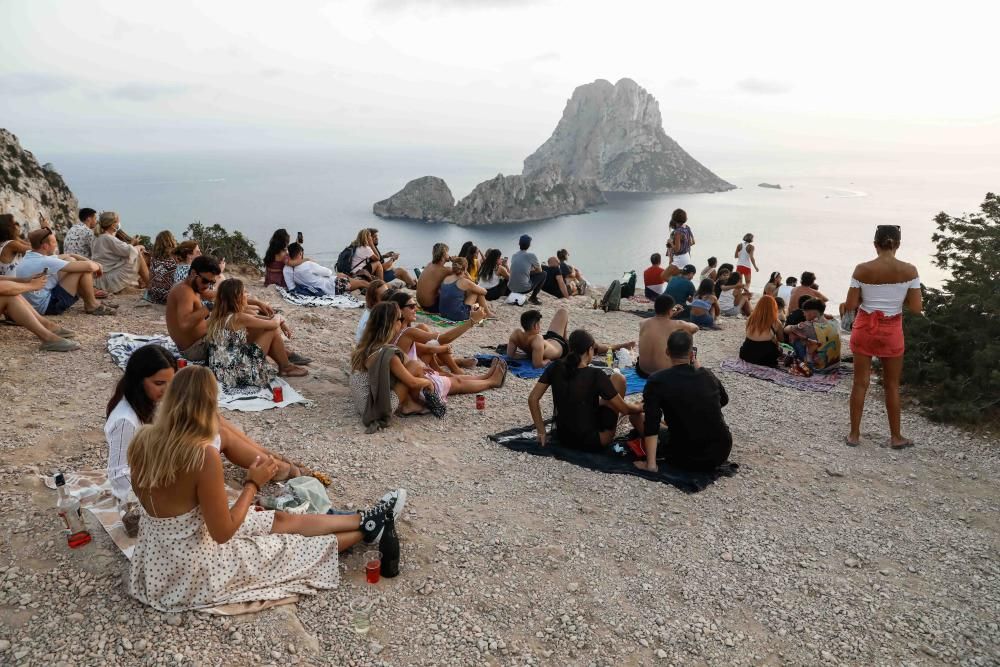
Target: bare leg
x: 892, y: 369
x: 357, y: 283
x: 18, y: 309
x: 80, y: 284
x: 621, y: 386
x: 240, y: 450
x: 560, y: 322
x: 344, y: 526
x: 143, y: 269
x: 271, y: 342
x: 377, y: 270
x: 409, y: 399
x: 405, y: 276
x: 859, y: 389
x: 468, y: 384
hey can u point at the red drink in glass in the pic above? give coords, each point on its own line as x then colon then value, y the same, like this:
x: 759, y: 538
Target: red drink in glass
x: 279, y: 394
x: 181, y: 362
x: 480, y: 402
x: 372, y: 570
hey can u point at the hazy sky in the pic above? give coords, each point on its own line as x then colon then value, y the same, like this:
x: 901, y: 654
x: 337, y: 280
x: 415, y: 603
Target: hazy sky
x: 494, y: 74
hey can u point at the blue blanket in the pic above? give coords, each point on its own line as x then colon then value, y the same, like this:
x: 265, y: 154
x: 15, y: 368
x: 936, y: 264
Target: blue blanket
x: 523, y: 369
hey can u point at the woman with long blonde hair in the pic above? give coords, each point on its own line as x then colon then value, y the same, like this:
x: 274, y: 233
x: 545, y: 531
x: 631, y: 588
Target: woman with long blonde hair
x: 764, y: 334
x: 365, y: 261
x: 195, y: 549
x: 240, y: 342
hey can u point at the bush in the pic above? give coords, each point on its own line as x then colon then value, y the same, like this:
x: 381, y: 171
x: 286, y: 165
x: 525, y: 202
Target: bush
x: 952, y: 359
x: 215, y: 240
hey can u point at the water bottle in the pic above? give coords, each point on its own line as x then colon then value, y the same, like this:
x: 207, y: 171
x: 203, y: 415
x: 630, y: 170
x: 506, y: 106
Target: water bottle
x: 389, y: 546
x: 610, y: 358
x: 624, y: 358
x: 68, y: 508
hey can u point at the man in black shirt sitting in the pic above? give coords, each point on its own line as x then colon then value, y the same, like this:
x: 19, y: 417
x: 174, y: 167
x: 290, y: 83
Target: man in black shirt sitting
x: 690, y: 399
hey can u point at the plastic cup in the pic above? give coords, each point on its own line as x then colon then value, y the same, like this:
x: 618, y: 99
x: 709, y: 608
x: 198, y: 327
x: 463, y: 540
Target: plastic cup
x: 361, y: 614
x: 373, y: 566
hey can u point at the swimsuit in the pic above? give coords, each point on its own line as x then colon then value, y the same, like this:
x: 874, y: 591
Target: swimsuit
x: 552, y: 335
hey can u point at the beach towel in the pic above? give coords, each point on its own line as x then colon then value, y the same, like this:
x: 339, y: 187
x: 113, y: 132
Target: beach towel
x: 821, y: 382
x: 92, y: 489
x: 525, y: 440
x: 642, y: 313
x: 523, y: 369
x: 244, y: 399
x: 338, y: 301
x: 435, y: 320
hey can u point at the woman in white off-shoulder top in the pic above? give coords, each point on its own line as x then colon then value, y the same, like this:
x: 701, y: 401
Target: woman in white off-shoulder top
x: 879, y: 291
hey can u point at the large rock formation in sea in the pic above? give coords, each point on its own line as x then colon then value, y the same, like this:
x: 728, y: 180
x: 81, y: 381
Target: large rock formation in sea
x: 29, y: 190
x: 613, y: 134
x: 427, y: 198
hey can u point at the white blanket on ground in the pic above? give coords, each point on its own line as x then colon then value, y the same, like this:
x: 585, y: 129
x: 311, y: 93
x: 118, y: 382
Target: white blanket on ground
x: 247, y: 399
x: 338, y: 301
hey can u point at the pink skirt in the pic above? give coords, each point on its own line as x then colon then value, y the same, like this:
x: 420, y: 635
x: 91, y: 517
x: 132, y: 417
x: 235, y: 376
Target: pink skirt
x: 875, y: 335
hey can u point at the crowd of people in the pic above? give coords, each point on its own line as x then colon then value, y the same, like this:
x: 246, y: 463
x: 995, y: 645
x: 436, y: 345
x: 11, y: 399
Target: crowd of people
x: 166, y: 437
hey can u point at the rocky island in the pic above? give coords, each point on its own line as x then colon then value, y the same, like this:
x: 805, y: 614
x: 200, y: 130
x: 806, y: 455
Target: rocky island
x: 610, y: 139
x: 31, y: 191
x: 772, y: 186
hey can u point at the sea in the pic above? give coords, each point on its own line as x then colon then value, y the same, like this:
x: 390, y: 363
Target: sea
x: 821, y: 220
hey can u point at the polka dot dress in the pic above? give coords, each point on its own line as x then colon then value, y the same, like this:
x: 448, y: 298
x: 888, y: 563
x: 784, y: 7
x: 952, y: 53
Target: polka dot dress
x: 178, y: 566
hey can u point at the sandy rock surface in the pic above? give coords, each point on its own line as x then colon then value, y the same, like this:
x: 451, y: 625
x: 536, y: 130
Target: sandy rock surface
x: 813, y: 554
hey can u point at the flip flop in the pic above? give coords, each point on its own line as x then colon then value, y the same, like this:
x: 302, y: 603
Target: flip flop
x: 902, y: 445
x: 847, y: 441
x: 100, y: 310
x: 503, y: 369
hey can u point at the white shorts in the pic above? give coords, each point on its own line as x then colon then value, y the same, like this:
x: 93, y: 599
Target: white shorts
x: 680, y: 261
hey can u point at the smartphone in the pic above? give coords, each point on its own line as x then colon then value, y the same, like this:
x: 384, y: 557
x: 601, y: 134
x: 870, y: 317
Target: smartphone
x: 694, y: 353
x: 45, y: 271
x: 299, y: 238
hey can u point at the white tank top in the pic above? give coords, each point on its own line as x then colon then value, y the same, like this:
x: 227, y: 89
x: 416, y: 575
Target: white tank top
x: 744, y: 259
x: 887, y: 297
x: 7, y: 268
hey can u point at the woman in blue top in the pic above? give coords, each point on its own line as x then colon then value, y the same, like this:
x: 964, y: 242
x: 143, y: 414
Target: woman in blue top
x: 459, y: 293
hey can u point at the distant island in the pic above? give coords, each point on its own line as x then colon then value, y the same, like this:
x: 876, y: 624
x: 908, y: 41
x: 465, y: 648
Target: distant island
x: 773, y: 186
x: 610, y: 139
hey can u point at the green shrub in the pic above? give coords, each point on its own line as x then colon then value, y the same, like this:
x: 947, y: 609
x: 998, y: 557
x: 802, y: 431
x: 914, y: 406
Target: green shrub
x: 952, y: 362
x: 235, y: 248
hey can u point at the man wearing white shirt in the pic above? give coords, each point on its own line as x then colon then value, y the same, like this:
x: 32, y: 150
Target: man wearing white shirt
x: 315, y: 278
x: 67, y: 281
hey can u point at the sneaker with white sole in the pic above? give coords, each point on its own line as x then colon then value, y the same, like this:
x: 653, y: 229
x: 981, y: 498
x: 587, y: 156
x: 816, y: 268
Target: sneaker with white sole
x: 373, y: 518
x: 61, y: 345
x: 399, y: 496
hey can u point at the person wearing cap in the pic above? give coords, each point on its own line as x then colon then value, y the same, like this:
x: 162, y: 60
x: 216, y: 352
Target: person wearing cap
x: 682, y: 288
x: 526, y: 274
x: 67, y: 281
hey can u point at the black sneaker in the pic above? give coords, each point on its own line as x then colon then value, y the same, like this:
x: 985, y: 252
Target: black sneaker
x: 434, y: 403
x: 373, y: 518
x: 533, y: 300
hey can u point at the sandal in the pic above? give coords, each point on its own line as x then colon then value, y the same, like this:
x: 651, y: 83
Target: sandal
x: 503, y: 370
x: 293, y: 371
x: 100, y: 310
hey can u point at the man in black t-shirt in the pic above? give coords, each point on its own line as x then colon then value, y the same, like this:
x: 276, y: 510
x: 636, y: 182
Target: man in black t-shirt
x: 556, y: 279
x: 690, y: 399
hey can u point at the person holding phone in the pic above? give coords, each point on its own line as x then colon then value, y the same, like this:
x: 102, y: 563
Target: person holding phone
x: 66, y: 281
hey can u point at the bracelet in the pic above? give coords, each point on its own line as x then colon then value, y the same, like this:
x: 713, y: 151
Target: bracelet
x: 250, y: 481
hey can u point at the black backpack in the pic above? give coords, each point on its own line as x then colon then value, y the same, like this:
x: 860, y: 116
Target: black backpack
x: 612, y: 298
x: 344, y: 260
x: 628, y: 285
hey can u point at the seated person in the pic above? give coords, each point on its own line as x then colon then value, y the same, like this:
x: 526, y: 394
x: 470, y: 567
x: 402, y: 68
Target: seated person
x: 390, y: 272
x: 66, y: 282
x: 654, y: 332
x: 16, y: 309
x: 275, y: 258
x: 185, y: 253
x: 816, y: 340
x: 762, y: 345
x: 587, y: 402
x: 148, y: 373
x: 473, y: 258
x: 459, y: 294
x: 12, y: 245
x: 574, y: 279
x: 162, y: 266
x: 240, y: 342
x: 187, y: 314
x: 79, y: 240
x: 552, y: 345
x: 682, y: 288
x: 725, y: 270
x: 807, y: 286
x: 785, y: 291
x: 494, y: 275
x: 705, y: 306
x: 557, y: 280
x: 122, y: 264
x: 654, y: 278
x: 429, y: 282
x: 710, y: 271
x: 374, y: 294
x: 735, y: 297
x: 773, y: 284
x: 217, y: 553
x: 798, y: 315
x: 782, y: 311
x: 526, y: 274
x: 306, y: 277
x: 689, y: 399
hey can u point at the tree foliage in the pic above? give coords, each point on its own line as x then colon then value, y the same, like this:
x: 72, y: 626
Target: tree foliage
x: 215, y: 240
x: 952, y: 362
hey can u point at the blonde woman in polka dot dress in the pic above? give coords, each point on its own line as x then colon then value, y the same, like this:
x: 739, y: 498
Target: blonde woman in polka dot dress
x: 195, y: 550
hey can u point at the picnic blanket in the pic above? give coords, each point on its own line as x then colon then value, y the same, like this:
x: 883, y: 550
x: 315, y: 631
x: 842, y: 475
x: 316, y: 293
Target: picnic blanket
x: 523, y: 369
x: 92, y: 489
x: 525, y: 439
x: 246, y: 399
x: 338, y: 301
x: 821, y: 382
x: 434, y: 319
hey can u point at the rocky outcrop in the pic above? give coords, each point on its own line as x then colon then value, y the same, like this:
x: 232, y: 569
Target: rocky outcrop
x: 544, y: 195
x: 773, y: 186
x: 613, y: 135
x: 29, y: 190
x: 427, y: 198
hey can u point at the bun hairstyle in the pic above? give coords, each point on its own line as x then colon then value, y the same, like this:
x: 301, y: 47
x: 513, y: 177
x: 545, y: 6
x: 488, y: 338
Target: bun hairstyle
x: 580, y: 342
x: 748, y: 238
x: 887, y: 237
x: 458, y: 265
x: 107, y: 220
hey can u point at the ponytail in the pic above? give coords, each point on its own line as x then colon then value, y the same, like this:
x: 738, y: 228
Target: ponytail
x: 580, y: 342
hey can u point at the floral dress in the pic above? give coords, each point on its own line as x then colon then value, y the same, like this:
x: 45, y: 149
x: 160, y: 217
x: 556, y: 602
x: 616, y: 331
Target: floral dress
x: 161, y: 279
x: 237, y: 363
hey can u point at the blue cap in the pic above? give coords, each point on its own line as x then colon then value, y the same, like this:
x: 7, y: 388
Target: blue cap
x: 524, y: 239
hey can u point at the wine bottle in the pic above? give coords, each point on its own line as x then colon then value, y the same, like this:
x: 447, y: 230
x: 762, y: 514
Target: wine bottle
x: 389, y: 546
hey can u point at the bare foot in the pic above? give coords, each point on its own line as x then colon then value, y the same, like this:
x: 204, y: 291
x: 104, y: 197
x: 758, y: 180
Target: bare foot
x: 644, y: 465
x: 853, y: 440
x: 293, y: 371
x: 466, y: 362
x: 900, y: 443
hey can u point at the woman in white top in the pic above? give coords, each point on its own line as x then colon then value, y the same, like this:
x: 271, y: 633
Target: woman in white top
x: 364, y: 262
x: 494, y: 275
x: 744, y: 257
x: 879, y: 291
x: 122, y: 264
x: 148, y: 373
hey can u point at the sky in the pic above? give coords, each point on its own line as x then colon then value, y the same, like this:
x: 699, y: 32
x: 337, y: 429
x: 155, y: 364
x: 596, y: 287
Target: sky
x: 494, y: 75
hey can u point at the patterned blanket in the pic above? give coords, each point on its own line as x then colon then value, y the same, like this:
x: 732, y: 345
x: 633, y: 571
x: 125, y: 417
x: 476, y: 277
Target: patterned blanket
x: 245, y: 399
x: 818, y: 382
x: 338, y: 301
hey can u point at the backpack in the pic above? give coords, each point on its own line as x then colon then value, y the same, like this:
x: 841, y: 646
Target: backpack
x: 612, y: 297
x: 628, y: 285
x: 344, y: 259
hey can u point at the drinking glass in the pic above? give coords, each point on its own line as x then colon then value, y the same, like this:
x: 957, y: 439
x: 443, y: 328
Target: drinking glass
x: 373, y: 566
x: 361, y: 612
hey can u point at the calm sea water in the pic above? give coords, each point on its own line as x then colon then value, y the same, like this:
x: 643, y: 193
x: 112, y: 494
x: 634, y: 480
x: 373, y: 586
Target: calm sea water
x: 822, y: 220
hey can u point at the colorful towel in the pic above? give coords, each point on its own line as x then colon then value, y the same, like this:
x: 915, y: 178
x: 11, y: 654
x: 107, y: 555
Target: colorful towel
x: 435, y: 320
x: 616, y: 460
x: 338, y: 301
x: 246, y: 399
x: 523, y: 369
x: 92, y: 489
x: 818, y: 382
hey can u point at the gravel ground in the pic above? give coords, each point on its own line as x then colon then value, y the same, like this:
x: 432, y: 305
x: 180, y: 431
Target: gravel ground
x: 813, y: 554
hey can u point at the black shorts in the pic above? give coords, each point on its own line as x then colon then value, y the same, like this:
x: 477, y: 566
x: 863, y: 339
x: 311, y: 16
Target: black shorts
x: 641, y: 373
x: 552, y: 335
x: 59, y: 301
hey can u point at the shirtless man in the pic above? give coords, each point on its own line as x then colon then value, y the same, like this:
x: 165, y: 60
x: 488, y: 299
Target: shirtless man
x: 807, y: 286
x: 429, y: 282
x: 653, y: 335
x: 187, y: 316
x: 551, y: 345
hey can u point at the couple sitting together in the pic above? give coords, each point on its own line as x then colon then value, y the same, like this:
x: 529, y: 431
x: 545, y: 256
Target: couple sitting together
x: 449, y: 289
x: 684, y: 397
x: 815, y: 339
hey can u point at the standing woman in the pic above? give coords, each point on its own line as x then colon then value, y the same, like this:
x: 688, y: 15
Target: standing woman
x: 162, y: 267
x: 122, y: 263
x: 744, y: 257
x: 879, y: 291
x: 493, y: 275
x: 195, y: 550
x: 679, y: 243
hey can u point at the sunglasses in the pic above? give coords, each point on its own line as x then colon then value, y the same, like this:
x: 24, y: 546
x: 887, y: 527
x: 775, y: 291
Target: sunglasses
x: 205, y: 281
x: 411, y: 305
